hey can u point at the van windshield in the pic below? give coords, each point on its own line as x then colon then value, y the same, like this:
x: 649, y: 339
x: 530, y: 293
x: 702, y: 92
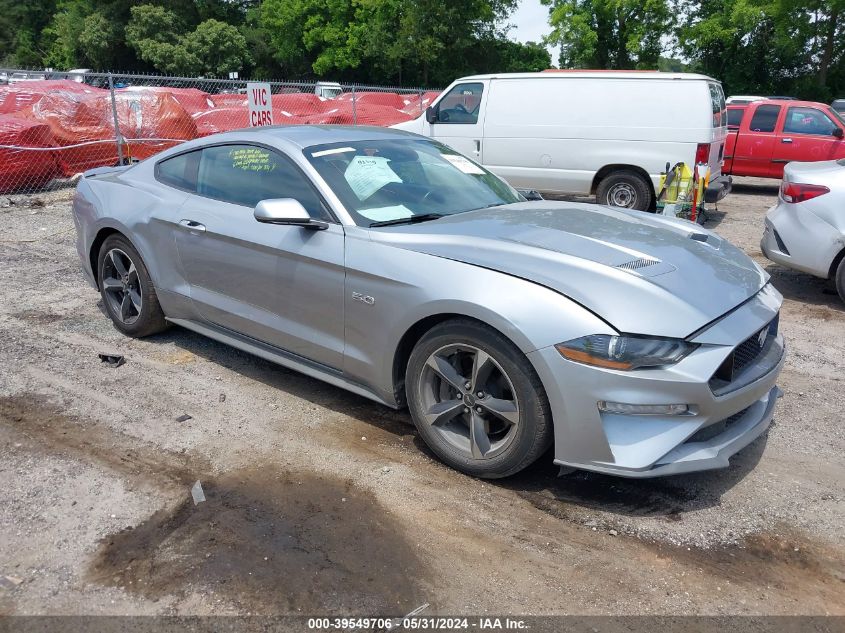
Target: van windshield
x: 402, y: 179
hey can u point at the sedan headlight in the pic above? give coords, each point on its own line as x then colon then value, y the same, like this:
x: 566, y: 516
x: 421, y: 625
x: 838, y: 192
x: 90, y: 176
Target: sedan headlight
x: 625, y: 352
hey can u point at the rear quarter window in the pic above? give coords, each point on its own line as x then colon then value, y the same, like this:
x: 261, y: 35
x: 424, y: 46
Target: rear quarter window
x: 735, y: 118
x: 765, y: 118
x: 179, y: 171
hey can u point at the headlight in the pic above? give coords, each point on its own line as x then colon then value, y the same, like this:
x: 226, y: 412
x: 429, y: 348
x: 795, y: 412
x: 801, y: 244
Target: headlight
x: 625, y: 352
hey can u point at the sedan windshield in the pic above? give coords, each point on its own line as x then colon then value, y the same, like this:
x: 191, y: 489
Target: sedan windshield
x: 388, y: 181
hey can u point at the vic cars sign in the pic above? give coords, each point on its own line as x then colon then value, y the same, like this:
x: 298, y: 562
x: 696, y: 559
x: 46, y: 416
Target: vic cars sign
x: 260, y: 103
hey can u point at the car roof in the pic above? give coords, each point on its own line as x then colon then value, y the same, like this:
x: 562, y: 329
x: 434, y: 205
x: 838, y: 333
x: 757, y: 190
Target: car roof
x: 792, y: 103
x: 556, y: 73
x: 301, y: 136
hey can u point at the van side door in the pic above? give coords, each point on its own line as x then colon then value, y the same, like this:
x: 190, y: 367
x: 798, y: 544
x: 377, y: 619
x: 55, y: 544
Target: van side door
x: 752, y: 155
x: 458, y: 118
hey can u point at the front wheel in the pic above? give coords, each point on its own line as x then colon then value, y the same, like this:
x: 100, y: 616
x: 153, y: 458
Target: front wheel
x: 476, y: 400
x: 625, y: 189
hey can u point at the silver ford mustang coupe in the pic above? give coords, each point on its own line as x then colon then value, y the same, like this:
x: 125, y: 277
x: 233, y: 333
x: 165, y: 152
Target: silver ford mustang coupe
x: 387, y: 264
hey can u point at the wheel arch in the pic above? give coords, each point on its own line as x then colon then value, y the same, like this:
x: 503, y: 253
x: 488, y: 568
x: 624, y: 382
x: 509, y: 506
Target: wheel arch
x: 413, y: 335
x: 834, y: 265
x: 96, y: 244
x: 607, y: 170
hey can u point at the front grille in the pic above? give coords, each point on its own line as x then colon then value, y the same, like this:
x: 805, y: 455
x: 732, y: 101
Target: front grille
x: 717, y: 428
x: 744, y: 354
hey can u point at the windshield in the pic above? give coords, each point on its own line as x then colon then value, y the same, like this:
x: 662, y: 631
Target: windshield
x: 386, y: 180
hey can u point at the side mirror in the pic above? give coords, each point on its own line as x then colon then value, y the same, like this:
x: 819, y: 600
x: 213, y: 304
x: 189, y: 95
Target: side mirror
x: 286, y: 211
x: 431, y: 114
x: 838, y: 133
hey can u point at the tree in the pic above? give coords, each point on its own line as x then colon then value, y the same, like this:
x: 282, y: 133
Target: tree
x: 159, y: 37
x: 767, y: 46
x: 63, y: 33
x: 618, y: 34
x: 419, y: 41
x: 98, y: 40
x: 219, y: 47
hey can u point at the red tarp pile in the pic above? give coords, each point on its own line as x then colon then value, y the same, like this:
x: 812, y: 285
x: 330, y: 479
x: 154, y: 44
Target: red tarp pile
x: 16, y: 97
x: 84, y: 124
x: 22, y: 169
x: 77, y: 120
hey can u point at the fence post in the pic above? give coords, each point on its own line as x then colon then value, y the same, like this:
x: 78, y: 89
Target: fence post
x: 118, y: 135
x: 421, y: 105
x: 354, y: 109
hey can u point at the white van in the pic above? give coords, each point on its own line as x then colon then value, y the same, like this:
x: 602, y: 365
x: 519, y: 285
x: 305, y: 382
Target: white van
x: 585, y: 132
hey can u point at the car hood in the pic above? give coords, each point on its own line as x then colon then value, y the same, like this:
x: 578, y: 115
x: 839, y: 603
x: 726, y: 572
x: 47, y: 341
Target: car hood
x: 642, y: 273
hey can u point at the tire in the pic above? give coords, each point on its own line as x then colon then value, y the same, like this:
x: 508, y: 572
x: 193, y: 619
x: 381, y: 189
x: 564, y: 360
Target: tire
x: 445, y: 404
x: 125, y: 286
x: 840, y: 279
x: 626, y: 189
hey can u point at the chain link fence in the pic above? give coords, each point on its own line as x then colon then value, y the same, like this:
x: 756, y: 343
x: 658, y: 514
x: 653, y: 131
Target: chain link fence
x: 54, y: 126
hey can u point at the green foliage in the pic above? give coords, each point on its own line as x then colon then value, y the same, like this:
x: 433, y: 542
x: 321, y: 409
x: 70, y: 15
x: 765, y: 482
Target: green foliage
x: 618, y: 34
x: 768, y: 46
x: 213, y: 47
x: 792, y: 47
x: 219, y: 47
x: 405, y: 41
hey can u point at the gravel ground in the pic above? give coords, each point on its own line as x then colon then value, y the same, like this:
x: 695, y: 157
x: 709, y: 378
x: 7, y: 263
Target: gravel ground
x: 320, y: 501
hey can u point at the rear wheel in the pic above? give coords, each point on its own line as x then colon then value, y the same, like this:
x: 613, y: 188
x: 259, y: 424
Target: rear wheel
x: 840, y: 279
x: 626, y: 189
x: 476, y: 401
x: 127, y: 290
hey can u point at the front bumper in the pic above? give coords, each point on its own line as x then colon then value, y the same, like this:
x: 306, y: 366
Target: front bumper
x: 720, y: 422
x: 718, y: 189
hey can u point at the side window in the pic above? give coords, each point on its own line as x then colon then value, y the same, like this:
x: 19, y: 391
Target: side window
x: 179, y: 171
x: 808, y: 121
x: 247, y: 174
x: 735, y: 118
x: 717, y: 104
x: 461, y: 104
x: 765, y: 118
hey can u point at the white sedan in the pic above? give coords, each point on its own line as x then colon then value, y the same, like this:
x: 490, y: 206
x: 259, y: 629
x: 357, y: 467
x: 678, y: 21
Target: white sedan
x: 805, y: 230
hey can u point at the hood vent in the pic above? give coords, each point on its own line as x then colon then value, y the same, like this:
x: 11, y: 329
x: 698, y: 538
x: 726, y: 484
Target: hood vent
x: 636, y: 264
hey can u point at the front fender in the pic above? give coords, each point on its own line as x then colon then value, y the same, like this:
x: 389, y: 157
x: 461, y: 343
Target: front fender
x: 404, y: 287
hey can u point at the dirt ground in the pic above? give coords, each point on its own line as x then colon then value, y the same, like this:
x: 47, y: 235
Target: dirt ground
x: 319, y: 501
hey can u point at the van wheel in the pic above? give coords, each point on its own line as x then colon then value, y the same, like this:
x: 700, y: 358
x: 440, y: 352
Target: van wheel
x: 626, y: 189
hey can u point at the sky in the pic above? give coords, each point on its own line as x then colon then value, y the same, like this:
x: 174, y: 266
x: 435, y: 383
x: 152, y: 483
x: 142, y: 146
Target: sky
x: 530, y: 23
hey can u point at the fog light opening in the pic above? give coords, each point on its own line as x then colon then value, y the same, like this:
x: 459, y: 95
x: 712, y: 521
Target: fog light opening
x: 623, y: 408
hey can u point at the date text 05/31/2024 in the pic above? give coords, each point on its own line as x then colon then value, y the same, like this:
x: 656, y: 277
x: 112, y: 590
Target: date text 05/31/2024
x: 423, y: 623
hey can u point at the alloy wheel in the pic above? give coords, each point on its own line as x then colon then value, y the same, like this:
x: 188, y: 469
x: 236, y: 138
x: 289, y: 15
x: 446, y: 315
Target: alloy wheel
x: 468, y: 398
x: 121, y: 286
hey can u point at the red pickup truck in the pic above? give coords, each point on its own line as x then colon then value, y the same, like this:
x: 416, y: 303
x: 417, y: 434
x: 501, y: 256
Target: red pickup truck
x: 765, y: 135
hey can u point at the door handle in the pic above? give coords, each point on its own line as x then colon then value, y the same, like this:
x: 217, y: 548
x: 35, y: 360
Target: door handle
x: 477, y: 150
x: 786, y: 140
x: 193, y: 226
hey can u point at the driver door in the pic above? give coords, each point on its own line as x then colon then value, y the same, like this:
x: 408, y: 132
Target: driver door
x: 459, y: 119
x: 808, y: 134
x: 281, y: 285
